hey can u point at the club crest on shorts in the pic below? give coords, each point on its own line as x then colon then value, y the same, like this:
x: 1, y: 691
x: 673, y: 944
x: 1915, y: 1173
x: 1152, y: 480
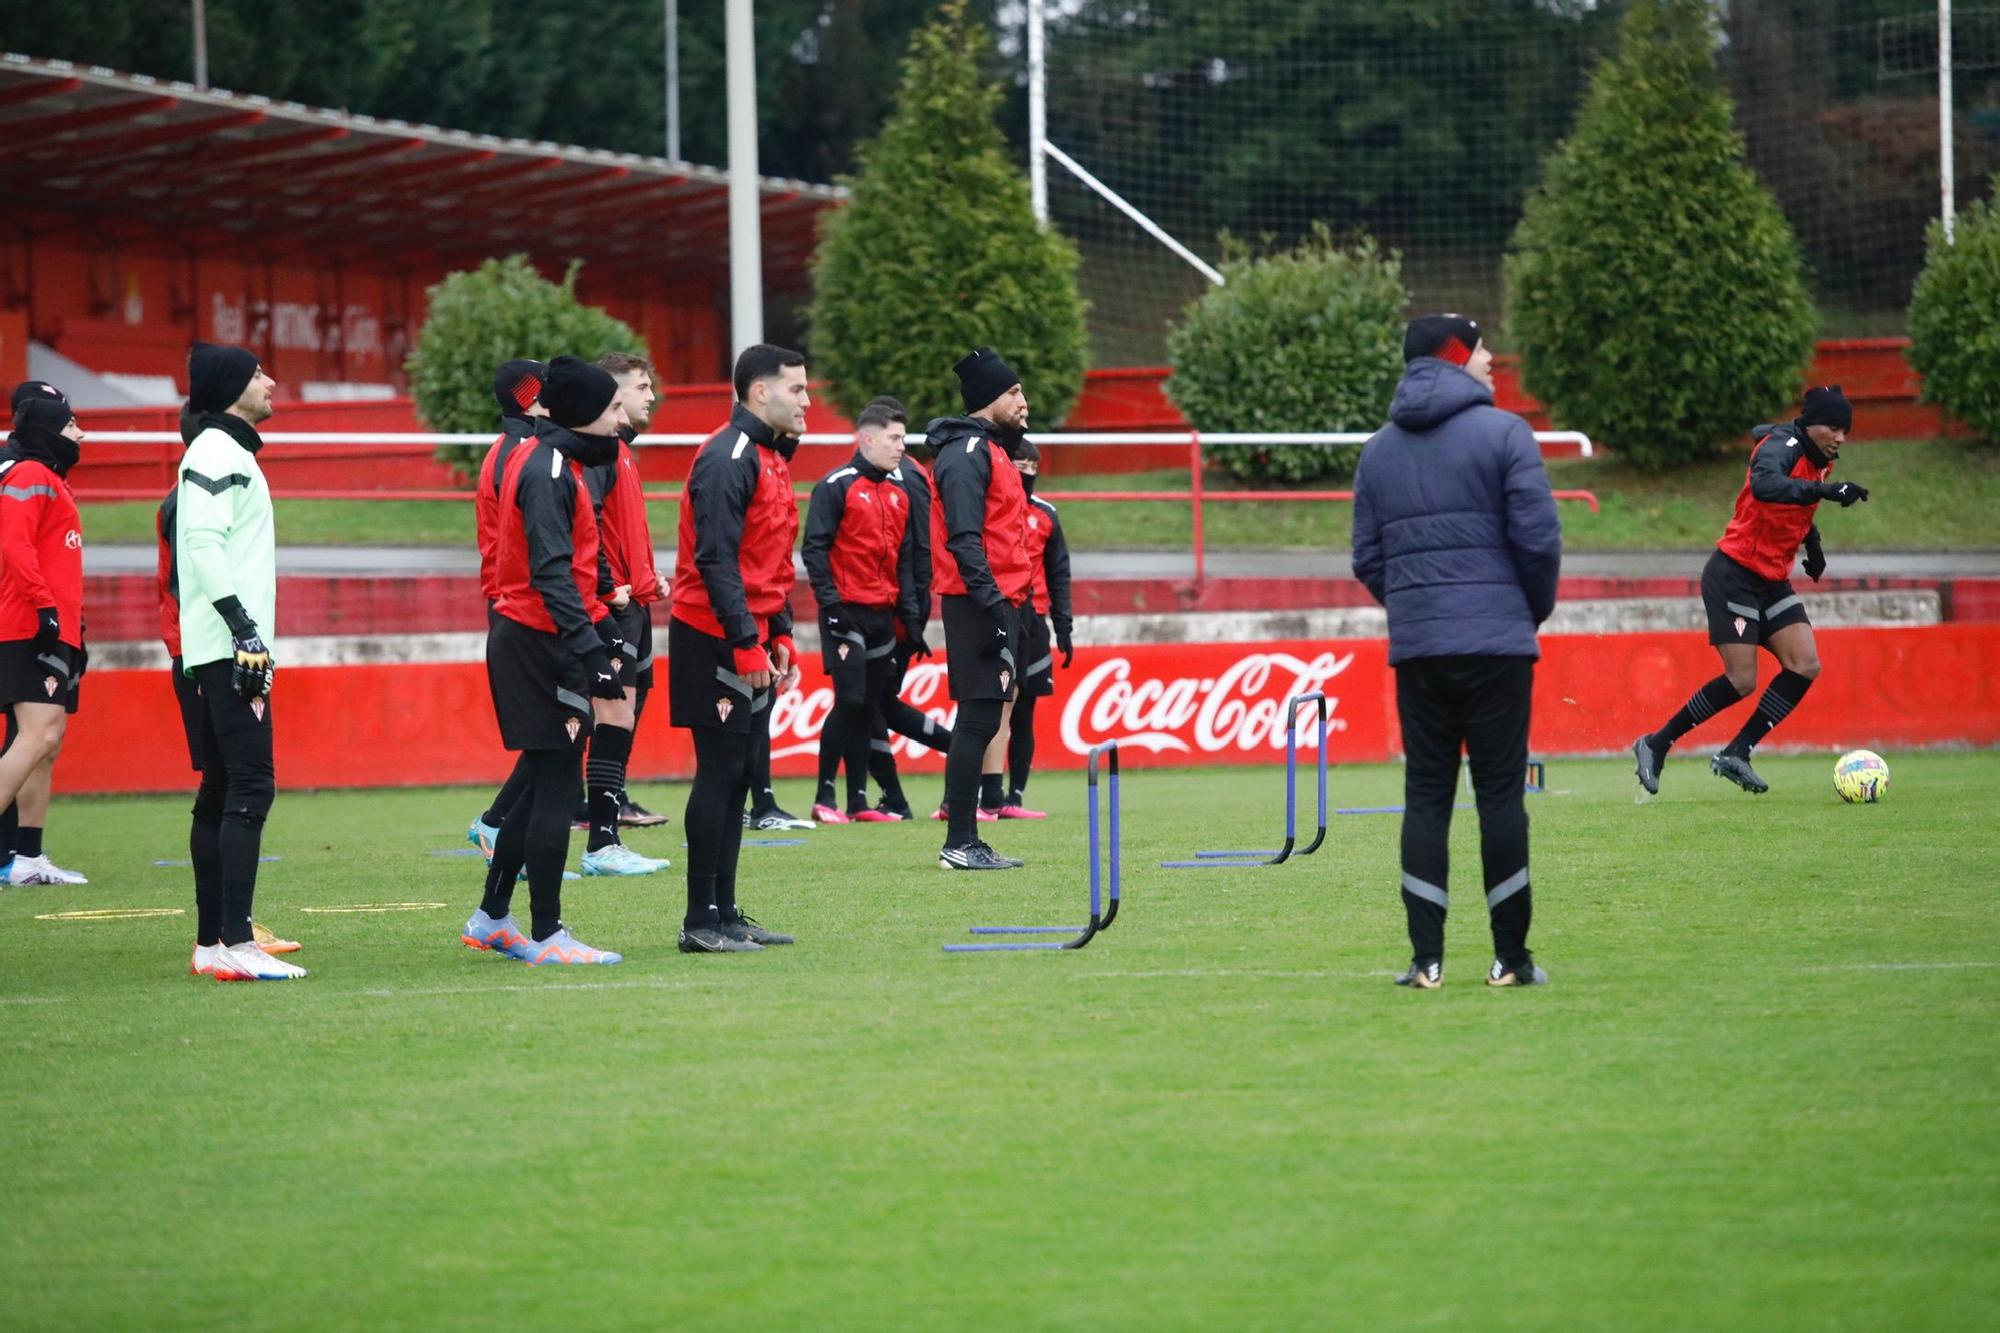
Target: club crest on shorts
x: 257, y: 707
x: 49, y: 683
x: 1005, y: 676
x: 723, y: 708
x: 1740, y: 623
x: 572, y: 726
x: 842, y: 650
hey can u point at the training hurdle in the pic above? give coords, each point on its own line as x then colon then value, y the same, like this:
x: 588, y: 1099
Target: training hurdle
x: 1097, y: 924
x: 1271, y: 856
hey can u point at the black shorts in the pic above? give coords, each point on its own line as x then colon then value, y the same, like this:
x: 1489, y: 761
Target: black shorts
x: 704, y: 688
x: 860, y: 661
x: 541, y: 692
x: 977, y: 664
x: 188, y: 695
x: 1744, y: 606
x: 28, y: 676
x: 635, y: 626
x: 1038, y: 677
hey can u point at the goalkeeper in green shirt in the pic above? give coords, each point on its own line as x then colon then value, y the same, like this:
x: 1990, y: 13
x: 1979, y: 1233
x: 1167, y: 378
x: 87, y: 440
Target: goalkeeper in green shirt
x: 227, y: 556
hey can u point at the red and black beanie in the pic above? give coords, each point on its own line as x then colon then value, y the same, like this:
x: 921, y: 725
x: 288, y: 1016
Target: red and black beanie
x: 1447, y: 337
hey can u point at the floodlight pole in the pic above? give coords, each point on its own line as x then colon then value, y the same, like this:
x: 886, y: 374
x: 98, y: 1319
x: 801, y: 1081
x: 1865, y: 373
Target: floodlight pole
x: 746, y: 263
x: 201, y: 45
x: 1038, y: 112
x: 673, y: 18
x: 1947, y: 177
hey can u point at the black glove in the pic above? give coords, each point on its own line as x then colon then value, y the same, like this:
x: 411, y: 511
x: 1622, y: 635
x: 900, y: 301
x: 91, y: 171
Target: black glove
x: 1065, y: 647
x: 607, y: 634
x: 1844, y: 493
x: 1815, y: 562
x: 251, y: 673
x: 835, y: 617
x: 913, y: 639
x: 1003, y: 621
x: 48, y: 629
x: 603, y: 676
x: 82, y: 659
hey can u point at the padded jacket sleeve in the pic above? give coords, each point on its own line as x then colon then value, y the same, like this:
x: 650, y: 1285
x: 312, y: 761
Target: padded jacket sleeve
x: 1534, y: 531
x: 719, y: 489
x: 963, y: 474
x: 1367, y: 536
x: 548, y: 512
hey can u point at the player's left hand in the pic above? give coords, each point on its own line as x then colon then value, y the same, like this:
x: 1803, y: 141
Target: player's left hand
x: 1066, y: 647
x: 783, y: 669
x: 1815, y: 561
x: 621, y: 596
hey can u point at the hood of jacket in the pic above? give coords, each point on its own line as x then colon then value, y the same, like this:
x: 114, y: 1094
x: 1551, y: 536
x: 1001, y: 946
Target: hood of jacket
x: 754, y: 426
x: 1432, y: 392
x: 52, y: 447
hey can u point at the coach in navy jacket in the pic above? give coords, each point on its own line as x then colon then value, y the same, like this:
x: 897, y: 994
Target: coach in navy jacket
x: 1455, y: 532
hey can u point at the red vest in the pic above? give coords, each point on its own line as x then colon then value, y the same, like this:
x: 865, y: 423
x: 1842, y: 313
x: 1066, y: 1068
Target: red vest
x: 628, y: 539
x: 1006, y: 532
x: 163, y: 586
x: 866, y: 550
x: 41, y: 552
x: 1764, y: 538
x: 764, y: 550
x: 516, y: 597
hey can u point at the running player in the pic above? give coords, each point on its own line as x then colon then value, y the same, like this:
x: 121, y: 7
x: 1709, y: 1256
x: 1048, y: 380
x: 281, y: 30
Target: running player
x: 551, y: 658
x: 226, y: 548
x: 1048, y: 561
x: 979, y: 548
x: 42, y: 655
x: 1746, y: 587
x: 861, y: 560
x: 729, y: 641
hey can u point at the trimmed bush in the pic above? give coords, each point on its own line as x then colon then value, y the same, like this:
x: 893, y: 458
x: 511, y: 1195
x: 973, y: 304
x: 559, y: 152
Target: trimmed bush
x: 1955, y: 318
x: 483, y: 316
x: 1306, y: 339
x: 1653, y: 288
x: 939, y: 252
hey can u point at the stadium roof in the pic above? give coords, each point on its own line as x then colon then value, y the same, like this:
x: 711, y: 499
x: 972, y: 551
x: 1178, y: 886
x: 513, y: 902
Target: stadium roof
x: 139, y: 158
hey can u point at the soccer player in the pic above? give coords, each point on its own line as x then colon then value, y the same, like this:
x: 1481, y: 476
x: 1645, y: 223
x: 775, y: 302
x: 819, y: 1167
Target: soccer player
x: 228, y: 584
x: 187, y: 696
x: 890, y: 710
x: 1048, y: 561
x: 1747, y: 590
x: 628, y: 584
x: 729, y: 640
x: 42, y: 656
x: 980, y: 551
x: 861, y: 560
x: 517, y: 387
x: 552, y: 658
x: 1456, y: 534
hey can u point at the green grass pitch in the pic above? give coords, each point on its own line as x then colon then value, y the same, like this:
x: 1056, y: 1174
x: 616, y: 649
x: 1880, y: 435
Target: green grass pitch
x: 1761, y: 1092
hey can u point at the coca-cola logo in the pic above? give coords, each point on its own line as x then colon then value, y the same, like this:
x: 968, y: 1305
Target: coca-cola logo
x: 1241, y: 708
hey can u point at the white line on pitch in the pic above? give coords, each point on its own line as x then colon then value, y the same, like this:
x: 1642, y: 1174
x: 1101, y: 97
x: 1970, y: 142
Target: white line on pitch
x: 1896, y: 967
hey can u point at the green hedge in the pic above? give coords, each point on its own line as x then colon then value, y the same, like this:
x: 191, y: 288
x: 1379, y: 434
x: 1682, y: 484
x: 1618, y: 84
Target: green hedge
x: 481, y: 317
x: 1306, y: 339
x: 1653, y: 289
x: 1955, y: 318
x: 939, y: 252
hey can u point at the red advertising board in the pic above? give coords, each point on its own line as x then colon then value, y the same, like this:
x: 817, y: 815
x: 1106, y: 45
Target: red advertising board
x: 1166, y: 704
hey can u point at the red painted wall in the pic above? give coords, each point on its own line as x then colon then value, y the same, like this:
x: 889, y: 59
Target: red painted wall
x: 1177, y: 704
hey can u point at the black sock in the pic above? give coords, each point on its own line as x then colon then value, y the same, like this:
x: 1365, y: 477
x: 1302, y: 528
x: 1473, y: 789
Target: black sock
x: 991, y: 793
x: 553, y: 775
x: 510, y: 792
x: 1021, y: 747
x: 241, y: 837
x: 510, y: 849
x: 762, y: 798
x: 604, y: 782
x: 27, y: 841
x: 1780, y: 697
x: 722, y: 760
x: 978, y: 724
x: 882, y: 766
x: 1702, y: 705
x: 205, y: 850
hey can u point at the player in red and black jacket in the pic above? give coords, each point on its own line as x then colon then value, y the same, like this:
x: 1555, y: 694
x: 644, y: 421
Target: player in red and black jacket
x: 1048, y: 561
x: 42, y: 654
x: 552, y: 658
x: 860, y: 554
x: 729, y: 642
x: 1747, y: 591
x: 517, y: 386
x: 979, y: 527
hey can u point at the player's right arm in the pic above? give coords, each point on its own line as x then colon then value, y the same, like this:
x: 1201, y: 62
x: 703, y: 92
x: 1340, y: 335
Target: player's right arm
x: 823, y: 515
x: 1771, y: 478
x: 548, y: 517
x: 719, y: 489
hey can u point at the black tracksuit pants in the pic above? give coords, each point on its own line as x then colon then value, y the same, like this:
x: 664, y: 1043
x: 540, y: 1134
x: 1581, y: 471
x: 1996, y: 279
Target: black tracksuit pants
x: 1479, y: 705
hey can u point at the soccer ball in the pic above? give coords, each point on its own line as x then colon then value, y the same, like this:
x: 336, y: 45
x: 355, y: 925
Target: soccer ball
x: 1861, y: 777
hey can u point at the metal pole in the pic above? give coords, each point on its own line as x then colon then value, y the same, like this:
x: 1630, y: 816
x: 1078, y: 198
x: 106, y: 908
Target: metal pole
x: 1118, y: 201
x: 201, y: 45
x: 746, y: 261
x: 1038, y: 113
x: 1947, y: 176
x: 674, y: 80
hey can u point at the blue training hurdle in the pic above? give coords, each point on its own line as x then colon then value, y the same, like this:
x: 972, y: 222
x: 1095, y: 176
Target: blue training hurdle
x: 1271, y: 856
x: 1097, y: 924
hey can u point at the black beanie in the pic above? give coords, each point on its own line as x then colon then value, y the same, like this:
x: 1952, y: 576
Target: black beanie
x: 217, y: 376
x: 983, y: 377
x: 1826, y: 405
x: 1447, y: 337
x: 517, y: 384
x: 577, y: 392
x: 38, y: 413
x: 28, y: 390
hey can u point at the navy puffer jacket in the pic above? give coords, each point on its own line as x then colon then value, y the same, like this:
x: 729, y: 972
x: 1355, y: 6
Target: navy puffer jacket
x: 1455, y: 531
